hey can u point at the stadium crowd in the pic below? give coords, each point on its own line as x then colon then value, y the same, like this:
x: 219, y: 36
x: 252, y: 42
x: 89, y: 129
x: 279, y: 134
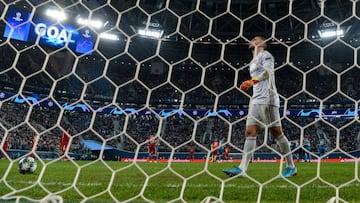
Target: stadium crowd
x: 186, y: 77
x: 177, y: 132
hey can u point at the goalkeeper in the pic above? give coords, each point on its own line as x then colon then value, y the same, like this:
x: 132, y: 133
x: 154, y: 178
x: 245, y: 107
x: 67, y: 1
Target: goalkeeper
x: 263, y: 109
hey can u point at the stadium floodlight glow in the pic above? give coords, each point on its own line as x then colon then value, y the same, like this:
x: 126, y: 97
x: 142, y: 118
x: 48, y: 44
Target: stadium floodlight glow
x: 91, y: 23
x: 109, y: 36
x: 331, y: 33
x: 56, y: 14
x: 151, y: 33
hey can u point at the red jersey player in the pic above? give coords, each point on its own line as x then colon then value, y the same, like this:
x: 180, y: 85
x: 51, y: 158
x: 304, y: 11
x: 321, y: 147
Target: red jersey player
x: 65, y: 137
x: 191, y: 152
x: 226, y: 153
x: 214, y: 150
x: 151, y: 148
x: 5, y: 147
x: 157, y: 145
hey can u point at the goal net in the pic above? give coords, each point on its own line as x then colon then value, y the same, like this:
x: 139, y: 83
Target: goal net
x: 121, y: 100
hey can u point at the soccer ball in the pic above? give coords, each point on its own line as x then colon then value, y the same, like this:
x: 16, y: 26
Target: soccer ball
x: 27, y: 165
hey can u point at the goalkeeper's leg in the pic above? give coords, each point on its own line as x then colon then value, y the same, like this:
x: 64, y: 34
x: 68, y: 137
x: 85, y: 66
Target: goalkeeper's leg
x: 248, y: 151
x: 249, y: 147
x: 273, y: 118
x: 284, y: 145
x: 251, y: 131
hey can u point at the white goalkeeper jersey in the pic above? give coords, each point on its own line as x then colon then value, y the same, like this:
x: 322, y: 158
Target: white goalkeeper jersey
x: 264, y: 92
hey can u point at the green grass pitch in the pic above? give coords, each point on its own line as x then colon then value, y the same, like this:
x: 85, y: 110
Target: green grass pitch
x: 101, y: 181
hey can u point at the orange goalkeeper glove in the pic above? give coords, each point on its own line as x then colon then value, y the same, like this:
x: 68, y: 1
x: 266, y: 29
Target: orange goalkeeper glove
x: 247, y: 84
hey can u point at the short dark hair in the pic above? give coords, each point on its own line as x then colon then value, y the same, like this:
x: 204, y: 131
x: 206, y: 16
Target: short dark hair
x: 263, y: 39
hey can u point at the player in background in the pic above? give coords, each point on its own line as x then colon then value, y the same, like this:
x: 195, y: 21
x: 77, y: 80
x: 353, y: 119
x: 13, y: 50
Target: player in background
x: 191, y: 152
x: 263, y: 109
x: 64, y: 141
x: 214, y: 150
x: 5, y: 147
x: 151, y: 148
x: 293, y: 145
x: 226, y: 153
x: 221, y: 149
x: 307, y: 147
x: 322, y: 147
x: 157, y: 144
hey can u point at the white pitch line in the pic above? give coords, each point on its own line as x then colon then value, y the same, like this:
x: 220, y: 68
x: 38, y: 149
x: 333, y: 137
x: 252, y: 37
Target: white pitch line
x: 55, y: 183
x: 132, y: 185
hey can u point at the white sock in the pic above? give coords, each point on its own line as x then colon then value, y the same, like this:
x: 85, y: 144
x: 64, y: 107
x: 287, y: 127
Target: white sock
x: 284, y: 145
x: 249, y: 146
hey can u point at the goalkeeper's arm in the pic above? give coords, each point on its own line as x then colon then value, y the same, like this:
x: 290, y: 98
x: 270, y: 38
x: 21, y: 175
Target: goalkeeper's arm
x: 247, y: 84
x: 268, y: 66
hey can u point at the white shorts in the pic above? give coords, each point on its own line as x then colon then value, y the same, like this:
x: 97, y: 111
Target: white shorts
x: 263, y: 115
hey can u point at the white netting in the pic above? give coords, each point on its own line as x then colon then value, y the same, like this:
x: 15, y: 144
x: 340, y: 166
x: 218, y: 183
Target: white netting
x: 83, y: 84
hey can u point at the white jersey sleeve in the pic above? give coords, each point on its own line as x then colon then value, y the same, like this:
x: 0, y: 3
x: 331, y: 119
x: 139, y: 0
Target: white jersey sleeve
x: 264, y: 92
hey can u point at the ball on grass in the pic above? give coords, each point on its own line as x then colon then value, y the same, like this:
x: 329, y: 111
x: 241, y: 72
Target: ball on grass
x: 27, y: 165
